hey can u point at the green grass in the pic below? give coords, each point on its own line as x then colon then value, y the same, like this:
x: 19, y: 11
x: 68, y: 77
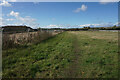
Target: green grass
x: 98, y: 57
x: 92, y: 54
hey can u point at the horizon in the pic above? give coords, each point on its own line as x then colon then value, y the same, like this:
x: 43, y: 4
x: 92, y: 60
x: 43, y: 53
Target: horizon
x: 59, y: 27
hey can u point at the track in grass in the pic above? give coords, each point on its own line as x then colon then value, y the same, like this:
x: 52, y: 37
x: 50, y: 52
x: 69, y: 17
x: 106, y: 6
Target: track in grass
x: 77, y: 54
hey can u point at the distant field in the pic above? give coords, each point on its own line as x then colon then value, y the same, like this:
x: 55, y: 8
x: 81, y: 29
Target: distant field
x: 72, y: 54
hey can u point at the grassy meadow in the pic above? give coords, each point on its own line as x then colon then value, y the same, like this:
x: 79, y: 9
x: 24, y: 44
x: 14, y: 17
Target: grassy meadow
x: 71, y: 54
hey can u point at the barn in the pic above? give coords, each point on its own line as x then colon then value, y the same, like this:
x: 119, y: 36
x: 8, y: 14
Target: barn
x: 16, y: 29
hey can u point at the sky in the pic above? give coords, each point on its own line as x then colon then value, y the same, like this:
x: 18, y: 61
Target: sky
x: 59, y: 14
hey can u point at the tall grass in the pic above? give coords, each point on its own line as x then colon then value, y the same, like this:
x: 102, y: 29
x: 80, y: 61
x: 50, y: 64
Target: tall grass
x: 20, y: 39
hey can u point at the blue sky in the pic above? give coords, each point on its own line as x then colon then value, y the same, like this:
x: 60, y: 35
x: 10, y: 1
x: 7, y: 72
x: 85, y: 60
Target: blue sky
x: 60, y: 14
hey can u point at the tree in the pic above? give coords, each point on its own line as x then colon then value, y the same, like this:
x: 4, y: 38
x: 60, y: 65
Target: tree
x: 114, y: 27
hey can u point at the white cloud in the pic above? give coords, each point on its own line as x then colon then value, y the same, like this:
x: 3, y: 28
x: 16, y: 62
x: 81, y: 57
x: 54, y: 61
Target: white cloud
x: 107, y: 1
x: 10, y: 19
x: 82, y: 8
x: 15, y: 14
x: 27, y: 20
x: 12, y: 0
x: 92, y: 25
x: 5, y: 3
x: 98, y: 25
x: 52, y: 26
x: 78, y: 26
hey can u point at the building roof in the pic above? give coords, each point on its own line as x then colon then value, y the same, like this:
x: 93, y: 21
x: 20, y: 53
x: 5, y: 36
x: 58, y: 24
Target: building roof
x: 11, y: 26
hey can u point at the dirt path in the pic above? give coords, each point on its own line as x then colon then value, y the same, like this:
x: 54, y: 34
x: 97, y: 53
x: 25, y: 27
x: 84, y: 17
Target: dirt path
x: 73, y: 72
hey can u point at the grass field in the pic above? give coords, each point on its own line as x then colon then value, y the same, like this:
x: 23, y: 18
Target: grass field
x: 72, y: 54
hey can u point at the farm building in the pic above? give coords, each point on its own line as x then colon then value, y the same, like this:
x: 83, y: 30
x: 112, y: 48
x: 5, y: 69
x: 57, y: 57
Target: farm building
x: 16, y: 29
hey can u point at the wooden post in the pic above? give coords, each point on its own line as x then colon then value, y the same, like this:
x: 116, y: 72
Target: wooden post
x: 1, y: 35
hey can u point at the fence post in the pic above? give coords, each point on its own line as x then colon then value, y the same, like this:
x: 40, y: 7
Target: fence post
x: 1, y: 33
